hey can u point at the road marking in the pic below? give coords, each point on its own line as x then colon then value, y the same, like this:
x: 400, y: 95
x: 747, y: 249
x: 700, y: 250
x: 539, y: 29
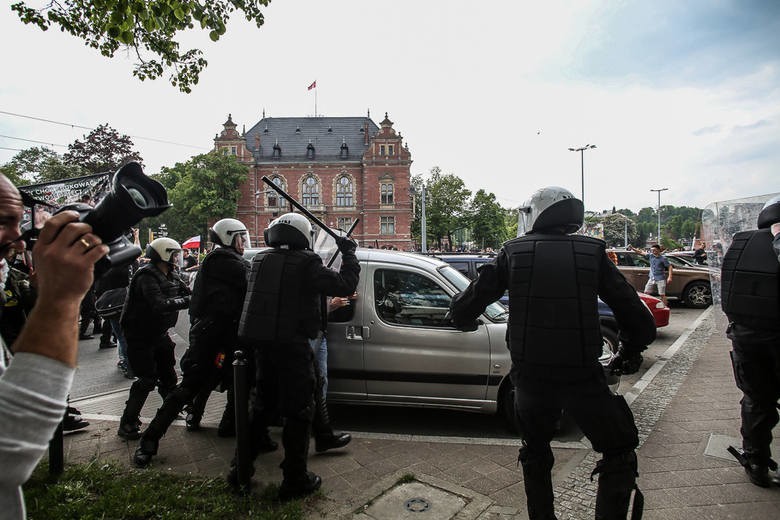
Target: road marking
x: 660, y: 363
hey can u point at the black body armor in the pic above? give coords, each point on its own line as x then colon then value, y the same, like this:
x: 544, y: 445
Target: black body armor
x: 750, y: 294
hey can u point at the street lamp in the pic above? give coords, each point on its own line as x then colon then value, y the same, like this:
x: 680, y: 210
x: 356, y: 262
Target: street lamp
x: 582, y: 149
x: 423, y: 224
x: 625, y: 228
x: 658, y: 210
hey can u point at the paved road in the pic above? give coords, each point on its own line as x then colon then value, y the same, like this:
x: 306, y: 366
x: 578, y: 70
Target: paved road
x: 100, y: 389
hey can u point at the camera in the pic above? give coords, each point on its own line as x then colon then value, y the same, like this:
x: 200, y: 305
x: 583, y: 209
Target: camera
x: 132, y: 197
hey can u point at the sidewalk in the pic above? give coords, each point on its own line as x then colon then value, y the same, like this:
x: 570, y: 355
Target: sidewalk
x: 687, y: 413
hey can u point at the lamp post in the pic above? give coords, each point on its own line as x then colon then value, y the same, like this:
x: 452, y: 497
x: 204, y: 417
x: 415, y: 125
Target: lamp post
x: 582, y: 149
x: 423, y: 224
x: 658, y: 210
x: 625, y: 228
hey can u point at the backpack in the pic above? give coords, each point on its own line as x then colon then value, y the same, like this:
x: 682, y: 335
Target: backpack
x: 111, y: 302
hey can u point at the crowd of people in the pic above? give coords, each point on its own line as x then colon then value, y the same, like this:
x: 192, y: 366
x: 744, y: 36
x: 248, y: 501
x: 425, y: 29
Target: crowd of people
x: 275, y: 309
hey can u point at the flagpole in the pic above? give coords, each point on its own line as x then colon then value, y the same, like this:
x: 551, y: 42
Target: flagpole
x: 315, y: 100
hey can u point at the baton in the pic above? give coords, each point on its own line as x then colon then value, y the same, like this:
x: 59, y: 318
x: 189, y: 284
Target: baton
x: 349, y: 232
x: 300, y: 208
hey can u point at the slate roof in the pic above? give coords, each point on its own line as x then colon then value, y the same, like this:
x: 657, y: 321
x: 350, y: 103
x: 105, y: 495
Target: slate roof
x: 294, y: 134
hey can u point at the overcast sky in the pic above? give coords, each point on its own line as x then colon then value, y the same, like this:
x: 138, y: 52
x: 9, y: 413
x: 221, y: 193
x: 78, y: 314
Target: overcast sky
x: 678, y: 95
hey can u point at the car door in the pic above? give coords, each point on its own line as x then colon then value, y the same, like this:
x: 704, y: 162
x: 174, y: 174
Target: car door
x: 346, y: 378
x: 411, y: 351
x: 630, y: 264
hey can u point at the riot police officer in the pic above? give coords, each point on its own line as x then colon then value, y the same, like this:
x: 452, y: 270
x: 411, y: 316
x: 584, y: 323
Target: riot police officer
x: 554, y: 280
x: 154, y: 297
x: 215, y: 308
x: 750, y: 297
x: 282, y: 312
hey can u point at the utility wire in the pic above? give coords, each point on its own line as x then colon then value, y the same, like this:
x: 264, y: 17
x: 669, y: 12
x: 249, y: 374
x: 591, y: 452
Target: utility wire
x: 13, y: 149
x: 73, y: 125
x: 33, y: 141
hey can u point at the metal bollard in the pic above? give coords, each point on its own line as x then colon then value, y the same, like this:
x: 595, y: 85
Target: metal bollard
x: 243, y: 441
x: 56, y: 452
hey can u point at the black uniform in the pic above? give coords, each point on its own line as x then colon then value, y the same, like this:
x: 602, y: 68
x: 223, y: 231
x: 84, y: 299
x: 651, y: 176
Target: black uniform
x: 751, y: 299
x: 215, y: 308
x: 281, y: 313
x: 555, y: 341
x: 151, y: 308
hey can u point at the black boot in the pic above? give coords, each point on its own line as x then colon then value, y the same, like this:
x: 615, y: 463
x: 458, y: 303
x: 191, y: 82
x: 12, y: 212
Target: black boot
x: 147, y: 449
x: 324, y: 437
x: 130, y: 424
x: 537, y: 479
x: 105, y: 337
x: 758, y: 473
x: 617, y: 480
x: 299, y: 487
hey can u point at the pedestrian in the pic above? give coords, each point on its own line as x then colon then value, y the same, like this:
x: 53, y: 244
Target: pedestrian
x: 700, y: 254
x: 660, y: 272
x: 154, y: 297
x: 215, y: 308
x: 554, y: 280
x: 115, y: 279
x: 325, y: 438
x: 282, y: 312
x: 34, y: 384
x: 89, y: 315
x: 750, y: 297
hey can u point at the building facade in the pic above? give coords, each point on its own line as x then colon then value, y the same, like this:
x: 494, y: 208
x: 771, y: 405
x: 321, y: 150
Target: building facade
x: 341, y: 169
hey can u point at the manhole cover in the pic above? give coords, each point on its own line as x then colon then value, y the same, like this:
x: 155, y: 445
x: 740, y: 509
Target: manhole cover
x: 417, y: 505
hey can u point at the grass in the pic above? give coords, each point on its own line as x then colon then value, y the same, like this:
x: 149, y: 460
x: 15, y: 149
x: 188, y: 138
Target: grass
x: 98, y: 490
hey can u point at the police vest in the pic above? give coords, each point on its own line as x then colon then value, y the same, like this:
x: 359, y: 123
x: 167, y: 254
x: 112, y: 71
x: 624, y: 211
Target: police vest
x: 749, y: 281
x: 280, y: 303
x: 553, y: 293
x: 212, y: 295
x: 138, y: 319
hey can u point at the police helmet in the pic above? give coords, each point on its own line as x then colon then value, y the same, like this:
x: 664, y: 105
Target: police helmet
x: 770, y: 214
x: 291, y: 229
x: 550, y: 208
x: 224, y: 231
x: 163, y: 250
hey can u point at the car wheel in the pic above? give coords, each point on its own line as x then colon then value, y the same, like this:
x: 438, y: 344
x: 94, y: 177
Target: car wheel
x: 506, y: 404
x: 609, y: 345
x: 698, y: 295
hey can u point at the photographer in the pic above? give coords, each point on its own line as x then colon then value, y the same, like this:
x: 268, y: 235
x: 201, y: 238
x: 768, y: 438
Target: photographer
x: 34, y: 386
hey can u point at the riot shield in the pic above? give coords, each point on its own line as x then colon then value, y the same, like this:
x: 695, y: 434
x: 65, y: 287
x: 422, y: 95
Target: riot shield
x: 720, y: 221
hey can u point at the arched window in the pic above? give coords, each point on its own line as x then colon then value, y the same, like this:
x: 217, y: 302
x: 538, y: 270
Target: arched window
x: 344, y: 191
x: 311, y: 191
x: 274, y: 200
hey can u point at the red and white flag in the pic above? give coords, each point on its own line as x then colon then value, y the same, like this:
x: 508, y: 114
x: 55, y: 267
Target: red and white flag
x: 313, y: 85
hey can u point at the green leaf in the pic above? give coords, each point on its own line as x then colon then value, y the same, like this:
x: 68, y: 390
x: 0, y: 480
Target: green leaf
x: 179, y: 14
x: 214, y: 35
x: 126, y: 37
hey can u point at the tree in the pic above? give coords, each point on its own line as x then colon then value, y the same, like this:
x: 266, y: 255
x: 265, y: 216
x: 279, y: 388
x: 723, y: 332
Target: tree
x: 39, y: 164
x: 206, y: 189
x: 103, y: 150
x: 616, y: 227
x: 148, y: 28
x: 447, y: 199
x: 487, y: 220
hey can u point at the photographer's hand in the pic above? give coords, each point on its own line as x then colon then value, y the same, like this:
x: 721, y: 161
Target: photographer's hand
x: 64, y: 256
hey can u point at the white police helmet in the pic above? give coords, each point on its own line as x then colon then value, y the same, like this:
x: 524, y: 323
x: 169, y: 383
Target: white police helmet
x: 550, y: 208
x: 224, y: 231
x: 163, y: 250
x: 770, y: 213
x: 291, y: 229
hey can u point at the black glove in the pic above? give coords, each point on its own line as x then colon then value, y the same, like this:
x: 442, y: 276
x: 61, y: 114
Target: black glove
x: 346, y: 245
x: 625, y: 362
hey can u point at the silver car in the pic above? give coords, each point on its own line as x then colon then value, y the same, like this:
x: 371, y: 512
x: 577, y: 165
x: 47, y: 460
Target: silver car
x: 395, y: 345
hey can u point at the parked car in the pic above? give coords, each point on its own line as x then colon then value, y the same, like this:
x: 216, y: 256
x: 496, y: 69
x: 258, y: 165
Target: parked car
x: 469, y: 264
x: 690, y: 284
x: 395, y: 344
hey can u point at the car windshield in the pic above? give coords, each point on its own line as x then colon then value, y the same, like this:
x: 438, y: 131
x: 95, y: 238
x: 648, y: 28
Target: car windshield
x: 495, y: 311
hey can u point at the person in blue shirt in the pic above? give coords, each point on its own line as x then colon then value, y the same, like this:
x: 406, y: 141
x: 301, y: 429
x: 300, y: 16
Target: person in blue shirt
x: 660, y: 271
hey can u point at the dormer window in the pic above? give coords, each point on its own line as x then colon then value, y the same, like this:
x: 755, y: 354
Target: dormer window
x: 298, y: 130
x: 277, y: 152
x: 344, y: 151
x: 330, y: 129
x: 310, y: 151
x: 266, y: 129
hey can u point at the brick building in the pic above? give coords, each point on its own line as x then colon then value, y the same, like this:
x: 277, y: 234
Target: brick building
x: 339, y: 168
